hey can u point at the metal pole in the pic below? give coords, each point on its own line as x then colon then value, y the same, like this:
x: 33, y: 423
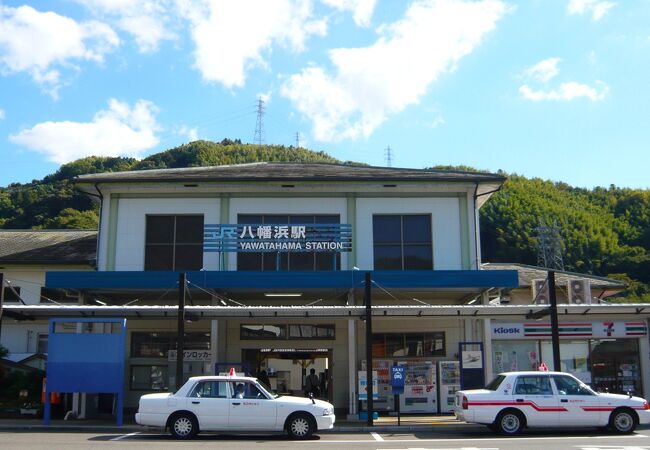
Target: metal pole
x: 2, y: 299
x: 180, y: 340
x: 368, y: 302
x: 555, y: 329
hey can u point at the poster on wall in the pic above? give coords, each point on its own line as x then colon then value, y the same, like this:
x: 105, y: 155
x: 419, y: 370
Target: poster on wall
x: 363, y: 385
x: 472, y: 359
x: 498, y: 362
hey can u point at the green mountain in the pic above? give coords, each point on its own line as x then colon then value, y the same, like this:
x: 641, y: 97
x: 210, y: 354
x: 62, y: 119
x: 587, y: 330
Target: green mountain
x: 604, y: 231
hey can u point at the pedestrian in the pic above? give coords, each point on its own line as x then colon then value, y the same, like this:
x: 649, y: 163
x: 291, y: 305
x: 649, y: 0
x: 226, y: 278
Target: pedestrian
x: 312, y: 386
x: 263, y: 378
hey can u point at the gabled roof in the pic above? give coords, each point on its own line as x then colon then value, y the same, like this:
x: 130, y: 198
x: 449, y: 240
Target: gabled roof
x: 529, y: 273
x: 267, y: 171
x: 47, y: 247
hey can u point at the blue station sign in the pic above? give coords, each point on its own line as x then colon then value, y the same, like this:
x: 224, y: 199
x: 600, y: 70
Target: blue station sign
x: 331, y: 237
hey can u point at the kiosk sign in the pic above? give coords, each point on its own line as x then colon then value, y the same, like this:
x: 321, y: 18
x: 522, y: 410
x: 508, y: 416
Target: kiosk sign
x: 397, y: 379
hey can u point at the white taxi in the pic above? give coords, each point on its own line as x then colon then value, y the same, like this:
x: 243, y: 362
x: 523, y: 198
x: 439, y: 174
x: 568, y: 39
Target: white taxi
x: 515, y: 400
x: 232, y: 404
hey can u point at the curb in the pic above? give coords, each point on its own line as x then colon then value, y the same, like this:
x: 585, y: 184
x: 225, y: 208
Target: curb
x: 136, y: 428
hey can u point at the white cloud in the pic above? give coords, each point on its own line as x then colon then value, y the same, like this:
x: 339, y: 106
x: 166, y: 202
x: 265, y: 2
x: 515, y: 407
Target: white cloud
x: 544, y: 70
x: 120, y: 130
x: 2, y: 114
x: 361, y: 9
x: 192, y: 134
x: 147, y: 20
x: 597, y: 8
x: 374, y: 82
x: 566, y: 92
x: 34, y: 42
x: 232, y: 35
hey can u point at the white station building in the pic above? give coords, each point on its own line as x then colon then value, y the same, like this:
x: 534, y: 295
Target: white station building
x: 276, y: 257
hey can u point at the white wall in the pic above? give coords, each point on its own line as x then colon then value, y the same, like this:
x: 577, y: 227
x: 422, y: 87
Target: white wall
x: 131, y: 223
x: 28, y: 280
x: 21, y: 337
x: 445, y: 223
x: 287, y: 206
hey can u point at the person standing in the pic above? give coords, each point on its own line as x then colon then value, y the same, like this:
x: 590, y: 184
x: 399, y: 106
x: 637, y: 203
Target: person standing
x: 312, y: 386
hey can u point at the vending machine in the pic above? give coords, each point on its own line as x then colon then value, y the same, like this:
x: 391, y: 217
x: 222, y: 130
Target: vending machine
x: 449, y: 383
x: 420, y: 393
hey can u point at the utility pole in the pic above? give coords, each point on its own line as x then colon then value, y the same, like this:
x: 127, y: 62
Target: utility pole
x: 180, y: 339
x: 2, y: 300
x: 555, y: 328
x: 368, y: 302
x: 259, y: 124
x: 388, y: 155
x: 297, y: 139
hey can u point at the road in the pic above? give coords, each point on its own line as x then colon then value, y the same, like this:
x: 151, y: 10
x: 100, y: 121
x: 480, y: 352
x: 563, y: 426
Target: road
x: 452, y: 440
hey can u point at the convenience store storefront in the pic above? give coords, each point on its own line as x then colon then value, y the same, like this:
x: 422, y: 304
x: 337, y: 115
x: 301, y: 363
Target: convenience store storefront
x: 607, y: 354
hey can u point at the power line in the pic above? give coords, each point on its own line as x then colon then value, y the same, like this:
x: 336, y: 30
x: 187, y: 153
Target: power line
x: 258, y: 138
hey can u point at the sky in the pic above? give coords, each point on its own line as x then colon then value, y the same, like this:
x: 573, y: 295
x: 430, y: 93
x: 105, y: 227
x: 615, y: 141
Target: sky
x: 556, y: 89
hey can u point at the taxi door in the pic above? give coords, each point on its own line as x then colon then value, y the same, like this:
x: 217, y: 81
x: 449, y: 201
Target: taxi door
x: 533, y: 395
x: 250, y: 409
x: 210, y: 403
x: 581, y: 407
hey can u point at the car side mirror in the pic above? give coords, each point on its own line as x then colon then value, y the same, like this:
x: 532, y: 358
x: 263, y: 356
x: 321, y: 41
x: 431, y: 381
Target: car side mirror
x: 311, y: 397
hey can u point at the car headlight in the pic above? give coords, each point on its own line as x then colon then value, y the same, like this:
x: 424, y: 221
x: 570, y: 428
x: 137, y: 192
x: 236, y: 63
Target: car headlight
x: 328, y: 411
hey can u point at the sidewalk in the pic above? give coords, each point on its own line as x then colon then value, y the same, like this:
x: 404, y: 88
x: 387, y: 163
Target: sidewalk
x: 383, y: 424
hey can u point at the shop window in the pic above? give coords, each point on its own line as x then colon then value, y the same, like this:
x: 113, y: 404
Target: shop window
x: 308, y: 261
x: 12, y: 294
x: 397, y: 345
x: 158, y: 344
x: 513, y: 356
x: 174, y: 242
x: 402, y: 242
x: 574, y: 358
x: 533, y: 385
x: 57, y: 295
x: 41, y: 343
x: 149, y: 378
x: 616, y: 366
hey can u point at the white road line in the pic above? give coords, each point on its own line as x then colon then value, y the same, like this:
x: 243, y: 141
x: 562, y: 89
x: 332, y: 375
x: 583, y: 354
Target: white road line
x: 455, y: 448
x: 507, y: 439
x: 377, y: 437
x: 124, y: 436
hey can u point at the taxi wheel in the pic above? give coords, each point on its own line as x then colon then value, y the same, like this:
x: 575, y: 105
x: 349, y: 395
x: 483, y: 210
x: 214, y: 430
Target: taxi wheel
x: 623, y: 421
x: 183, y: 426
x: 300, y: 426
x: 510, y: 422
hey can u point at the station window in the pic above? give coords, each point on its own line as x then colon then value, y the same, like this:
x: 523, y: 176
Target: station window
x: 174, y: 242
x: 309, y: 261
x: 12, y: 294
x: 58, y: 295
x: 149, y: 378
x: 397, y: 345
x: 158, y: 344
x: 41, y: 344
x: 402, y: 242
x: 279, y: 331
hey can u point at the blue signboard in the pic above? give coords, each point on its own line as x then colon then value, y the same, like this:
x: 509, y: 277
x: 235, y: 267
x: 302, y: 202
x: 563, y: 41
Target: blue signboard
x: 331, y: 237
x: 397, y: 379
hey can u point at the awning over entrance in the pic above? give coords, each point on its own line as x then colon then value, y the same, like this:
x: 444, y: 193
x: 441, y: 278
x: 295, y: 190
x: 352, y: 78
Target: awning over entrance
x: 340, y: 279
x: 28, y: 312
